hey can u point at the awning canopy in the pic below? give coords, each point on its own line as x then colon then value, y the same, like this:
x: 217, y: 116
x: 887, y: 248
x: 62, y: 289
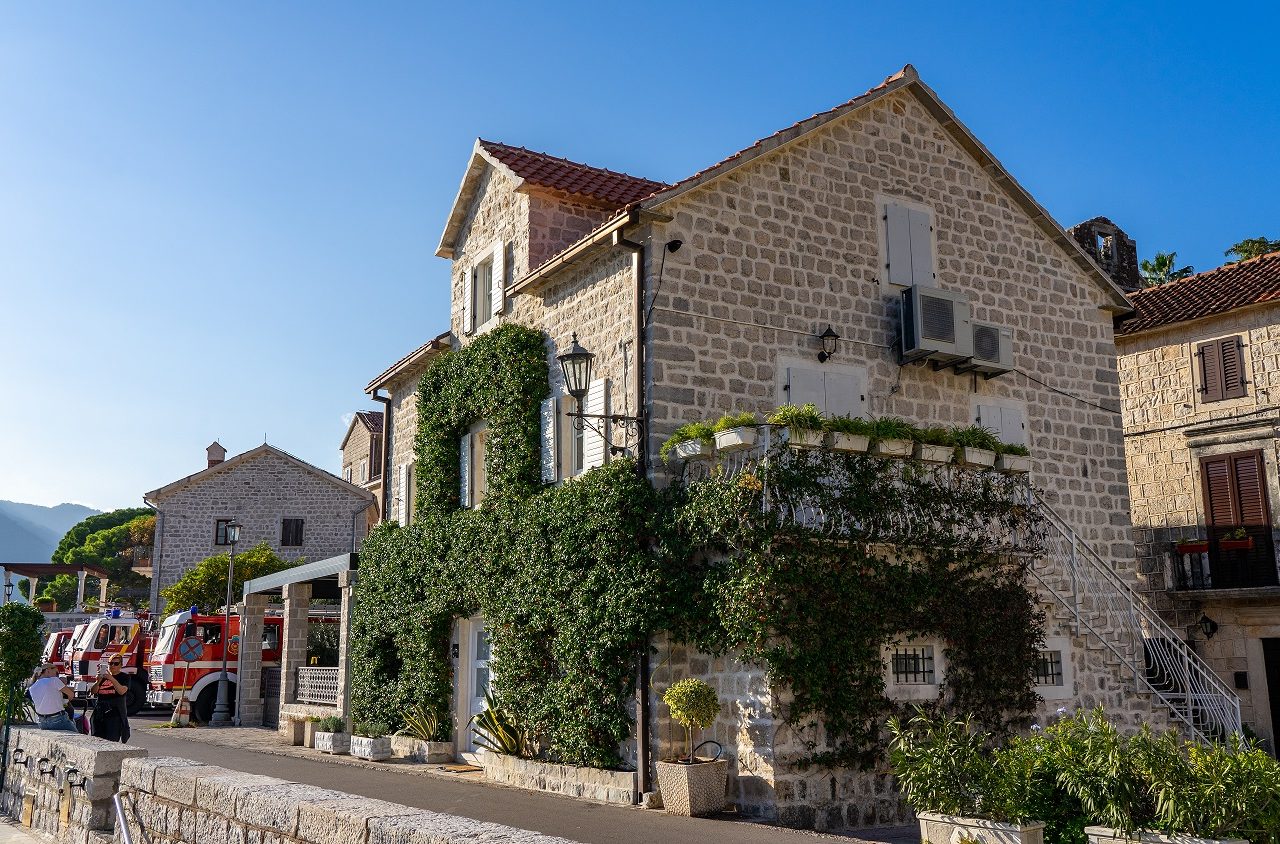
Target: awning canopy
x: 44, y: 571
x: 322, y: 575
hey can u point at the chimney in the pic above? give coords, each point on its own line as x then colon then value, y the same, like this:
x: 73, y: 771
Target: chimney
x: 1114, y: 250
x: 216, y: 454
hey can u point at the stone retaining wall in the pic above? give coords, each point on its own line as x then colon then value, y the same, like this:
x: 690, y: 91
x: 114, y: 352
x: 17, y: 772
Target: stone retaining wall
x: 591, y: 783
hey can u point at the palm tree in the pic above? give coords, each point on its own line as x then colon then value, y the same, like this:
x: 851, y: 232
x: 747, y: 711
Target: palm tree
x: 1160, y: 270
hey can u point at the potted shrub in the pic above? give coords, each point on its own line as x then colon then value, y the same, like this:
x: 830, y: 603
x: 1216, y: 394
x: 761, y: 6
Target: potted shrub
x: 935, y: 445
x: 849, y: 433
x: 1013, y: 459
x: 46, y: 603
x: 735, y: 432
x: 691, y: 785
x: 416, y: 740
x: 892, y: 437
x: 691, y: 441
x: 1191, y: 545
x: 976, y: 446
x: 331, y: 735
x: 370, y: 741
x: 802, y: 426
x: 1237, y: 540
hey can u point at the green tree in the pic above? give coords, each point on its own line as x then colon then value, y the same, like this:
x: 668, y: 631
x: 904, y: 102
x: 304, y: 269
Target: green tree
x: 205, y: 586
x: 21, y: 641
x: 75, y: 537
x: 115, y: 542
x: 1252, y: 247
x: 1160, y: 270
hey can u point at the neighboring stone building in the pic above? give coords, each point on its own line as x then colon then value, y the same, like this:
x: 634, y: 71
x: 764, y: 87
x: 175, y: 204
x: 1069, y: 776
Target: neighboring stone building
x: 362, y: 460
x: 299, y: 510
x: 1198, y: 362
x: 400, y: 425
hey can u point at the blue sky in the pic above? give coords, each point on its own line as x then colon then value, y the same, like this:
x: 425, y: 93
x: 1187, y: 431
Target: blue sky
x: 217, y: 220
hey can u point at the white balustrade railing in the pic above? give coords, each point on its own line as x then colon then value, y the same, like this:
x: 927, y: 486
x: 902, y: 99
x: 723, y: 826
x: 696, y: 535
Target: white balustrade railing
x: 318, y: 685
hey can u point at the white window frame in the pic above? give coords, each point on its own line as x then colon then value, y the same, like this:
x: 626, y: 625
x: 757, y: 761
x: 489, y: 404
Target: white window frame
x: 482, y: 301
x: 786, y: 362
x: 882, y: 235
x: 1067, y: 690
x: 915, y: 691
x: 476, y: 440
x: 364, y: 471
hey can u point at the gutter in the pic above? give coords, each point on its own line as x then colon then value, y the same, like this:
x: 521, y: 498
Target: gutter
x: 603, y: 235
x: 385, y: 401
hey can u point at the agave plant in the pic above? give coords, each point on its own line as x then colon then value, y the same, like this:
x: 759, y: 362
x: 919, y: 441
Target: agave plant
x: 496, y: 730
x: 420, y: 723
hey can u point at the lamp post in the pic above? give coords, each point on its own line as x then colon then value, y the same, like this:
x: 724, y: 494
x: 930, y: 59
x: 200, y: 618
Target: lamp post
x: 576, y: 365
x: 222, y: 710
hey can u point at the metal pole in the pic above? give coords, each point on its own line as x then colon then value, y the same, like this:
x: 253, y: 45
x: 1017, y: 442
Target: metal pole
x: 122, y: 818
x: 222, y: 710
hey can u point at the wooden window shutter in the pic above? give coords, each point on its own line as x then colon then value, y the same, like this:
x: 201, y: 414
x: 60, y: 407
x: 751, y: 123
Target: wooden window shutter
x: 1231, y: 353
x: 499, y: 290
x: 468, y: 302
x: 595, y: 449
x: 1219, y: 502
x: 550, y: 418
x: 897, y: 230
x: 1251, y: 489
x: 921, y: 247
x: 1210, y: 371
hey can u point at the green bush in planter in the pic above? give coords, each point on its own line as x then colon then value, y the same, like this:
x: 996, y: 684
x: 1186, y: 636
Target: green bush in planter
x: 734, y: 420
x: 1009, y: 448
x: 371, y: 729
x: 693, y: 703
x: 331, y: 724
x: 976, y: 436
x: 854, y: 425
x: 701, y: 431
x: 935, y: 436
x: 892, y: 428
x: 803, y: 418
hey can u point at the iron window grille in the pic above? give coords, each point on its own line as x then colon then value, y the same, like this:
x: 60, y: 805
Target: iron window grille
x: 913, y: 666
x: 1049, y: 668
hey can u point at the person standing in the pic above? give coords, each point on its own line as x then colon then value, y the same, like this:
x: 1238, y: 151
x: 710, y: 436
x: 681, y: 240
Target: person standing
x: 110, y: 709
x: 50, y: 696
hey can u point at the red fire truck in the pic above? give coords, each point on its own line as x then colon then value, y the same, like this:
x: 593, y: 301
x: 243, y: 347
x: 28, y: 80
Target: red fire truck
x: 54, y: 647
x: 169, y: 675
x: 113, y: 632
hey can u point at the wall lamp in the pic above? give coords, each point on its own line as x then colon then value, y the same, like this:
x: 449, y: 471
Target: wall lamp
x: 576, y: 365
x: 1208, y: 625
x: 829, y: 339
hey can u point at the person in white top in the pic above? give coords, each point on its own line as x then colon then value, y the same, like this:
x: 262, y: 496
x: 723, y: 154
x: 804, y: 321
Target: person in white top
x: 49, y: 694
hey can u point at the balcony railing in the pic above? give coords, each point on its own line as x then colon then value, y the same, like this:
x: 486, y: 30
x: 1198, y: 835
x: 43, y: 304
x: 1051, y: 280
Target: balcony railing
x: 1229, y: 562
x: 318, y: 685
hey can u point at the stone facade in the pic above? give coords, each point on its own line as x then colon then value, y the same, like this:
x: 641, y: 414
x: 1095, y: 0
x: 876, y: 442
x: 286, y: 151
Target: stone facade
x: 589, y: 783
x: 362, y: 457
x: 259, y: 489
x: 1169, y: 428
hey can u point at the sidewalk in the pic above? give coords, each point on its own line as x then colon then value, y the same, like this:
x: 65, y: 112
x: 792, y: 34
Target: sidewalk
x: 469, y: 795
x: 12, y: 833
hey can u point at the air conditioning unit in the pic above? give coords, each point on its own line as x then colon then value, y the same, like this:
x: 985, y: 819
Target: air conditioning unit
x: 935, y: 325
x: 992, y: 349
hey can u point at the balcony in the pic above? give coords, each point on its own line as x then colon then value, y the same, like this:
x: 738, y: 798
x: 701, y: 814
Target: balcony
x: 1227, y: 562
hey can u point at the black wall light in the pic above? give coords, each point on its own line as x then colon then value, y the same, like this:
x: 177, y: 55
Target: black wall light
x: 1208, y: 625
x: 829, y: 339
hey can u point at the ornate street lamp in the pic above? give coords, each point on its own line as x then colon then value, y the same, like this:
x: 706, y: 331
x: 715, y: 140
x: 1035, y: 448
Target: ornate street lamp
x: 829, y: 340
x: 222, y: 710
x: 576, y: 365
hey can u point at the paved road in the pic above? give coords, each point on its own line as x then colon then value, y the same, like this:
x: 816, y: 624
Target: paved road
x: 551, y: 814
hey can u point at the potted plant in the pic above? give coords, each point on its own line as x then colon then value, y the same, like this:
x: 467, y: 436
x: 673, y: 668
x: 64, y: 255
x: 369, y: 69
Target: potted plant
x: 416, y: 740
x: 47, y: 603
x: 691, y: 441
x: 935, y: 445
x: 1190, y: 544
x: 849, y: 433
x: 1237, y: 540
x: 892, y: 437
x: 976, y: 446
x: 331, y: 735
x: 735, y: 432
x: 802, y: 426
x: 1013, y: 459
x: 371, y: 742
x: 691, y: 785
x: 309, y: 730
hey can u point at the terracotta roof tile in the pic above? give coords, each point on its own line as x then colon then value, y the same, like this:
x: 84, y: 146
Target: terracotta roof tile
x: 371, y: 419
x: 1206, y: 294
x: 560, y: 174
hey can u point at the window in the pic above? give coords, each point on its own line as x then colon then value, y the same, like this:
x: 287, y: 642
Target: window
x: 220, y: 531
x: 914, y: 669
x: 913, y: 666
x: 375, y: 455
x: 1235, y: 499
x: 346, y: 474
x: 364, y: 471
x: 472, y: 454
x: 211, y: 634
x: 1049, y: 668
x: 1053, y: 675
x: 834, y: 390
x: 291, y: 533
x: 270, y: 637
x: 482, y: 292
x: 906, y: 244
x: 1222, y: 369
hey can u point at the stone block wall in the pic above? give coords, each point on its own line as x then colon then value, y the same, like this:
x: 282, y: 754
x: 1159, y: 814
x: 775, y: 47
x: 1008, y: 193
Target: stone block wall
x: 589, y: 783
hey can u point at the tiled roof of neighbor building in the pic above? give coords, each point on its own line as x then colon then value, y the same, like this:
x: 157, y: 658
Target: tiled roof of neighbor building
x: 560, y: 174
x: 1209, y: 293
x: 372, y: 419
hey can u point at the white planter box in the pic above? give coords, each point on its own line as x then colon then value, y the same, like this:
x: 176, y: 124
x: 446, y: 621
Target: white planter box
x: 736, y: 439
x: 935, y: 453
x: 982, y: 457
x: 1107, y: 835
x: 693, y: 450
x: 1014, y: 464
x: 371, y: 749
x: 803, y: 438
x: 339, y: 744
x: 947, y: 829
x: 894, y: 448
x: 849, y: 442
x: 417, y: 750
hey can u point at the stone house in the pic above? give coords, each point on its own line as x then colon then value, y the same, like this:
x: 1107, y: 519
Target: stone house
x: 709, y: 296
x: 362, y: 456
x: 300, y: 510
x: 1198, y: 360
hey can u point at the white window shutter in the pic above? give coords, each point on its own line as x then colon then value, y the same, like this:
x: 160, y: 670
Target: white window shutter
x: 394, y: 503
x: 989, y: 417
x: 898, y: 241
x: 464, y: 491
x: 921, y: 247
x: 844, y: 396
x: 403, y: 482
x: 499, y: 290
x: 550, y: 440
x: 468, y: 302
x: 595, y: 451
x: 806, y: 386
x: 1013, y: 426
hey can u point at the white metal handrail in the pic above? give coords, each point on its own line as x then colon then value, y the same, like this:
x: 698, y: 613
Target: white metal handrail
x: 318, y: 685
x: 1106, y: 607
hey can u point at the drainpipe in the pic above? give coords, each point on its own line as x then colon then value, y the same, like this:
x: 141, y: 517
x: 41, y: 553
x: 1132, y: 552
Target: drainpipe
x: 643, y: 780
x: 386, y: 451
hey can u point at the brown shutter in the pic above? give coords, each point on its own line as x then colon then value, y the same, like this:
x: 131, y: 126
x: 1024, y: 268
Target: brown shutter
x: 1251, y: 489
x: 1219, y: 508
x: 1231, y: 353
x: 1210, y: 371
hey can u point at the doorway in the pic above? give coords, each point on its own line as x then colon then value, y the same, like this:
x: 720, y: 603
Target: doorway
x: 473, y: 683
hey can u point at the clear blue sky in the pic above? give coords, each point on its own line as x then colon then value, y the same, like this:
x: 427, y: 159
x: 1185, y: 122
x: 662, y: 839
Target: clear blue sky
x: 217, y: 219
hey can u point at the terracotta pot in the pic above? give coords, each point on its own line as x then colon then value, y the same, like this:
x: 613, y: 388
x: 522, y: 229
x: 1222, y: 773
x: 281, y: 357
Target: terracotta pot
x: 1245, y: 544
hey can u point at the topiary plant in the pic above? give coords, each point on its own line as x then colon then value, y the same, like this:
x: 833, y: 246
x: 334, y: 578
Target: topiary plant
x: 693, y: 703
x: 803, y: 418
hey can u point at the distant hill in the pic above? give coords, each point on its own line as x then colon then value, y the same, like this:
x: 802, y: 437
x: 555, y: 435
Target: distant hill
x: 29, y: 532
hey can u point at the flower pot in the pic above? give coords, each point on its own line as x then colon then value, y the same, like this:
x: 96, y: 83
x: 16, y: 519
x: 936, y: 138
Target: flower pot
x: 1107, y: 835
x: 693, y: 790
x: 935, y: 453
x: 803, y: 438
x: 371, y: 749
x: 1245, y: 544
x: 693, y: 450
x: 736, y: 439
x: 47, y: 605
x: 339, y: 744
x: 1195, y: 546
x: 1014, y: 464
x: 308, y: 733
x: 849, y: 442
x: 945, y: 829
x: 894, y: 448
x: 982, y: 458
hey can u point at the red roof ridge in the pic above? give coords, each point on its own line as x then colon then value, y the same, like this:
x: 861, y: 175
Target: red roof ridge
x: 562, y: 160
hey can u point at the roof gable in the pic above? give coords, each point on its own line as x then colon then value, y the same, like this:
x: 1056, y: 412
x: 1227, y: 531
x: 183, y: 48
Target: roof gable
x: 370, y: 420
x: 1210, y: 293
x: 253, y: 454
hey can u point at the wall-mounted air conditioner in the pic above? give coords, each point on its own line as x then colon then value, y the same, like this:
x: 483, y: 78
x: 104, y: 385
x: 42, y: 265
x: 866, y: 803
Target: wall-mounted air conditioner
x: 992, y: 349
x: 936, y: 325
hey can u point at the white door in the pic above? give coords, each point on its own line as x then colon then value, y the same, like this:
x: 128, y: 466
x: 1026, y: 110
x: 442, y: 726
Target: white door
x: 473, y: 683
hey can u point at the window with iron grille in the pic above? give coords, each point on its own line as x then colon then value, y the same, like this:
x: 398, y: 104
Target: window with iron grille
x: 1049, y: 668
x: 913, y: 666
x: 291, y: 533
x: 220, y: 531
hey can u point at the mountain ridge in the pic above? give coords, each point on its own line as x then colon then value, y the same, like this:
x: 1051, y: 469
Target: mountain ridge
x: 29, y: 533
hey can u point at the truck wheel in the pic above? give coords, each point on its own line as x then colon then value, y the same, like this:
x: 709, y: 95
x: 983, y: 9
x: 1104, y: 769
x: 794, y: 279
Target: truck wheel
x: 136, y: 698
x: 202, y: 709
